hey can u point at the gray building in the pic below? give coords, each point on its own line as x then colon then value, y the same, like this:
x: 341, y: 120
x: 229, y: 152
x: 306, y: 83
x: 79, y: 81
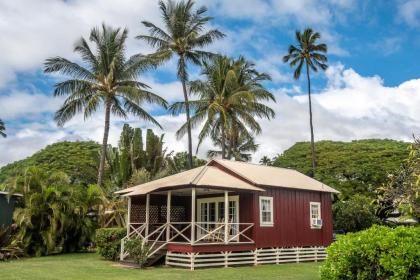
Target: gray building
x: 7, y: 205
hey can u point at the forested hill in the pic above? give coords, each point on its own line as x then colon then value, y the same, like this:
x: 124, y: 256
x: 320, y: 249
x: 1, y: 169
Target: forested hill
x: 353, y: 167
x: 79, y: 160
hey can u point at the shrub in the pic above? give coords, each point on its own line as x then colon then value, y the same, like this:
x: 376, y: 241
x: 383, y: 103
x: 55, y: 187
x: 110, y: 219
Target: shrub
x: 376, y: 253
x: 138, y: 250
x: 108, y: 242
x: 354, y: 214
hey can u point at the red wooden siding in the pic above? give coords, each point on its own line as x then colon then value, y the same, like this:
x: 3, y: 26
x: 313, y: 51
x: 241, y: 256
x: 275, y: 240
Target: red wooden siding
x: 291, y: 219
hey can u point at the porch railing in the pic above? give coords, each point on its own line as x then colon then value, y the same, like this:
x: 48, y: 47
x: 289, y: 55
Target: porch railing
x: 158, y: 235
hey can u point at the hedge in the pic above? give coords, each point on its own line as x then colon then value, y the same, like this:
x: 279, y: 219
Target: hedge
x: 108, y: 242
x: 376, y: 253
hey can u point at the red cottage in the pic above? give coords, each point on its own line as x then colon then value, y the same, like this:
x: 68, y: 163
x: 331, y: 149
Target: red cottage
x: 229, y: 213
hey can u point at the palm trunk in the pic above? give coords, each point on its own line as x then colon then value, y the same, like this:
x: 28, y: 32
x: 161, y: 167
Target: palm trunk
x: 104, y: 144
x: 187, y: 111
x: 223, y: 141
x: 310, y: 122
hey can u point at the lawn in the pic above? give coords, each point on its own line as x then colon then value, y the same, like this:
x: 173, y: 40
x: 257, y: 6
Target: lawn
x: 90, y: 266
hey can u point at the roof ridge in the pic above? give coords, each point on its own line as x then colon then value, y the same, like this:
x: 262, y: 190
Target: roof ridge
x: 200, y: 174
x: 236, y: 172
x: 257, y: 164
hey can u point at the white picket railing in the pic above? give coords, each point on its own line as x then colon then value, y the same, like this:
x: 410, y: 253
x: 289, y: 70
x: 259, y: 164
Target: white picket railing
x: 158, y: 236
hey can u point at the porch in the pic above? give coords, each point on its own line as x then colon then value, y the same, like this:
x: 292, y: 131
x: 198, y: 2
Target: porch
x: 190, y: 220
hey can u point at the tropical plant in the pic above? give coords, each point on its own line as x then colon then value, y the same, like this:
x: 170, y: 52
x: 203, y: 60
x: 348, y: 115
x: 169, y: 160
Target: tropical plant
x: 265, y: 160
x: 229, y: 100
x: 354, y: 214
x: 109, y: 80
x: 401, y: 192
x: 243, y: 145
x: 9, y: 248
x: 183, y: 35
x: 108, y: 242
x: 376, y: 253
x: 56, y: 216
x: 311, y: 54
x: 138, y: 250
x: 133, y: 155
x: 178, y: 162
x: 2, y: 129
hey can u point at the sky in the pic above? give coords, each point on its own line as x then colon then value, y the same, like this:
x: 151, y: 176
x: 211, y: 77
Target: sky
x: 370, y: 90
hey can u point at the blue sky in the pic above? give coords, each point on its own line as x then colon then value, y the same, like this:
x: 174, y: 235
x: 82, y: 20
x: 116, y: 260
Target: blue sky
x: 371, y: 90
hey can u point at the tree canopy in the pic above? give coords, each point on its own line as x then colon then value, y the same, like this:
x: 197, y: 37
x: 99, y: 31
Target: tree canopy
x: 358, y: 166
x: 79, y: 160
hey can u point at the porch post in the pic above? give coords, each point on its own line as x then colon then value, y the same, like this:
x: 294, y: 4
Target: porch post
x: 192, y: 216
x: 129, y: 215
x: 226, y: 217
x: 147, y: 216
x: 168, y: 216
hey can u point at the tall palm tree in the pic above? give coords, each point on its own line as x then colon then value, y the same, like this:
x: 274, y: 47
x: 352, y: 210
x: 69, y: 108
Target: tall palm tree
x: 229, y: 99
x: 308, y: 52
x: 182, y: 35
x: 109, y: 80
x: 2, y: 129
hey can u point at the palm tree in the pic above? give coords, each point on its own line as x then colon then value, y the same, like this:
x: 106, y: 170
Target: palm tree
x: 308, y: 52
x: 2, y: 129
x: 242, y: 149
x: 183, y: 35
x: 265, y: 160
x: 228, y: 101
x: 108, y: 80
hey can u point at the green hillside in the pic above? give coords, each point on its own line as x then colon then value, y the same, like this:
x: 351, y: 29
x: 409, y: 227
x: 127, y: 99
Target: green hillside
x: 359, y: 166
x: 79, y: 160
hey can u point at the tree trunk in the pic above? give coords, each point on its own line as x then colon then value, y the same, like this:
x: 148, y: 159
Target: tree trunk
x: 104, y: 144
x: 187, y: 111
x: 223, y: 141
x: 310, y: 123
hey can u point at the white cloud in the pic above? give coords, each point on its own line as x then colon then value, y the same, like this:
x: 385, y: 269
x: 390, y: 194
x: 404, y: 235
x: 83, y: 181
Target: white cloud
x: 409, y: 11
x: 19, y: 104
x: 351, y: 107
x: 35, y: 30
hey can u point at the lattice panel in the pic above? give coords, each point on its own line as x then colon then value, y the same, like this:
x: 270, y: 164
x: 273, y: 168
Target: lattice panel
x: 138, y: 213
x: 177, y: 213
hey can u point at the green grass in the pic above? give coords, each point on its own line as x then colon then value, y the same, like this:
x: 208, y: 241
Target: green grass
x: 90, y: 266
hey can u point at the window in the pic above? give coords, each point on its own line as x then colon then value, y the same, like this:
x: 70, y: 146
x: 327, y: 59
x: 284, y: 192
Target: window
x: 266, y: 211
x: 315, y: 215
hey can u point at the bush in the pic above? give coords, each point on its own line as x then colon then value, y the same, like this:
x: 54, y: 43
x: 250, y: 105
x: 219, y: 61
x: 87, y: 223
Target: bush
x: 138, y: 250
x: 377, y: 253
x: 108, y: 242
x: 354, y: 214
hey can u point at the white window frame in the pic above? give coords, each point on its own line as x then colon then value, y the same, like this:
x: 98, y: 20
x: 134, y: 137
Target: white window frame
x: 318, y: 204
x: 262, y: 223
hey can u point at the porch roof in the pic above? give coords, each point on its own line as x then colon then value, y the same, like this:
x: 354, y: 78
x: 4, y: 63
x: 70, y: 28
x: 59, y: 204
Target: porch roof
x: 226, y: 174
x: 205, y: 176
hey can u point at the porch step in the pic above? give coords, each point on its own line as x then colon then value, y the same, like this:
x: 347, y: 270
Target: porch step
x: 156, y: 257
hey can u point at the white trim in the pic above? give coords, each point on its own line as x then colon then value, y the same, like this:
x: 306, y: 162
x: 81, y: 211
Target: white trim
x: 318, y: 204
x: 252, y: 257
x: 266, y: 224
x: 216, y: 200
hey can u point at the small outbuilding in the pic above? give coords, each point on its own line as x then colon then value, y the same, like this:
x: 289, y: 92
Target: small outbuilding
x: 231, y: 213
x: 7, y: 205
